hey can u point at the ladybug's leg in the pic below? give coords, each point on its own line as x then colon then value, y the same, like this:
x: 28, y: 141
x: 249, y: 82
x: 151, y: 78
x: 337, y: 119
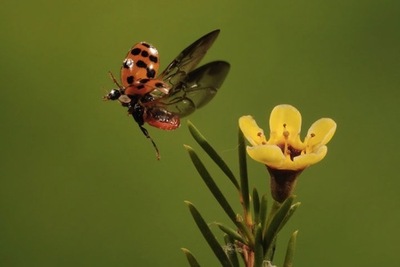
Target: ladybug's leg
x: 137, y: 112
x: 146, y: 133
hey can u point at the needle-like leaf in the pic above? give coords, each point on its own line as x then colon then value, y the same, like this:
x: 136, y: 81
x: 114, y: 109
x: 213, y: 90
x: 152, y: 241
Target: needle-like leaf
x: 263, y: 211
x: 244, y: 181
x: 256, y: 206
x: 212, y: 186
x: 258, y: 247
x: 190, y: 257
x: 209, y: 236
x: 292, y: 209
x: 201, y: 140
x: 231, y: 251
x: 232, y: 233
x: 290, y: 250
x: 273, y: 227
x: 208, y: 180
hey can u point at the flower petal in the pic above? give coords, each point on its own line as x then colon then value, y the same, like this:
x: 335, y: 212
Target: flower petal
x: 285, y: 121
x: 320, y: 132
x: 253, y: 133
x: 268, y: 154
x: 305, y: 160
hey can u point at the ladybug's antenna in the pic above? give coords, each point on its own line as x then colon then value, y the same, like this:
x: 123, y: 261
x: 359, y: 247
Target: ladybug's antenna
x: 115, y: 80
x: 146, y: 133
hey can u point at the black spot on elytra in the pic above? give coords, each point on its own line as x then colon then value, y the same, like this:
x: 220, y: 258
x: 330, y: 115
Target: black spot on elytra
x: 141, y: 64
x: 146, y: 45
x: 135, y: 51
x: 140, y: 86
x: 159, y: 85
x: 144, y: 81
x: 144, y: 53
x: 153, y: 59
x: 130, y: 79
x: 151, y: 73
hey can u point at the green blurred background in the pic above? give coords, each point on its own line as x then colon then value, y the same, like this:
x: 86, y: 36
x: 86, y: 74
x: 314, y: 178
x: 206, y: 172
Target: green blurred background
x: 80, y: 185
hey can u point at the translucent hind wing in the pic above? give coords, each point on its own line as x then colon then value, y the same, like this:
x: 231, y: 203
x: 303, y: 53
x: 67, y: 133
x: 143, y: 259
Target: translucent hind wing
x: 196, y: 89
x: 188, y: 59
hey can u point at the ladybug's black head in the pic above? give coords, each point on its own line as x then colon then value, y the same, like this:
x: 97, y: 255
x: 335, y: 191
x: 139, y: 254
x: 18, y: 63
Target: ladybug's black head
x: 114, y: 94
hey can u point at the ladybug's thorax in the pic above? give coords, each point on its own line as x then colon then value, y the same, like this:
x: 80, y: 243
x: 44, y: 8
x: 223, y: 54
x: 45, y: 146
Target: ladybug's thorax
x: 137, y: 112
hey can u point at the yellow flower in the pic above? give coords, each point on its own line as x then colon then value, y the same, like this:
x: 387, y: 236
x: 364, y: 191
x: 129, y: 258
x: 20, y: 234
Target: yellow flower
x: 284, y: 154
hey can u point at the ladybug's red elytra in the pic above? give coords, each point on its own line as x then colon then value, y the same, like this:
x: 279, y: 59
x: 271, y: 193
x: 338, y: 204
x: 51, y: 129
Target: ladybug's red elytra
x: 178, y: 91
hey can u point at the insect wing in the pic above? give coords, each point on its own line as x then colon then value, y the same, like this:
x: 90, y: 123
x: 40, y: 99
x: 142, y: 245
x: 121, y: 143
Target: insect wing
x: 188, y: 59
x: 196, y: 89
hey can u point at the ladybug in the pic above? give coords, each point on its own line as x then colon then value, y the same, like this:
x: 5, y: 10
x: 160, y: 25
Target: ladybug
x: 161, y: 100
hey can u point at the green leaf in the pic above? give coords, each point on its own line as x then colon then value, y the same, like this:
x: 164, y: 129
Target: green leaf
x: 263, y: 211
x: 256, y: 206
x: 232, y: 233
x: 246, y: 232
x: 270, y: 253
x: 190, y: 257
x: 292, y: 209
x: 244, y: 181
x: 209, y: 237
x: 290, y: 250
x: 258, y: 247
x: 212, y: 186
x: 274, y: 208
x: 231, y: 251
x: 200, y: 139
x: 274, y: 226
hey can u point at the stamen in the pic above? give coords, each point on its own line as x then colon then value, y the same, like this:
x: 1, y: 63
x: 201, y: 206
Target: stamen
x: 308, y: 148
x: 285, y: 132
x: 261, y: 135
x: 288, y: 150
x: 286, y: 136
